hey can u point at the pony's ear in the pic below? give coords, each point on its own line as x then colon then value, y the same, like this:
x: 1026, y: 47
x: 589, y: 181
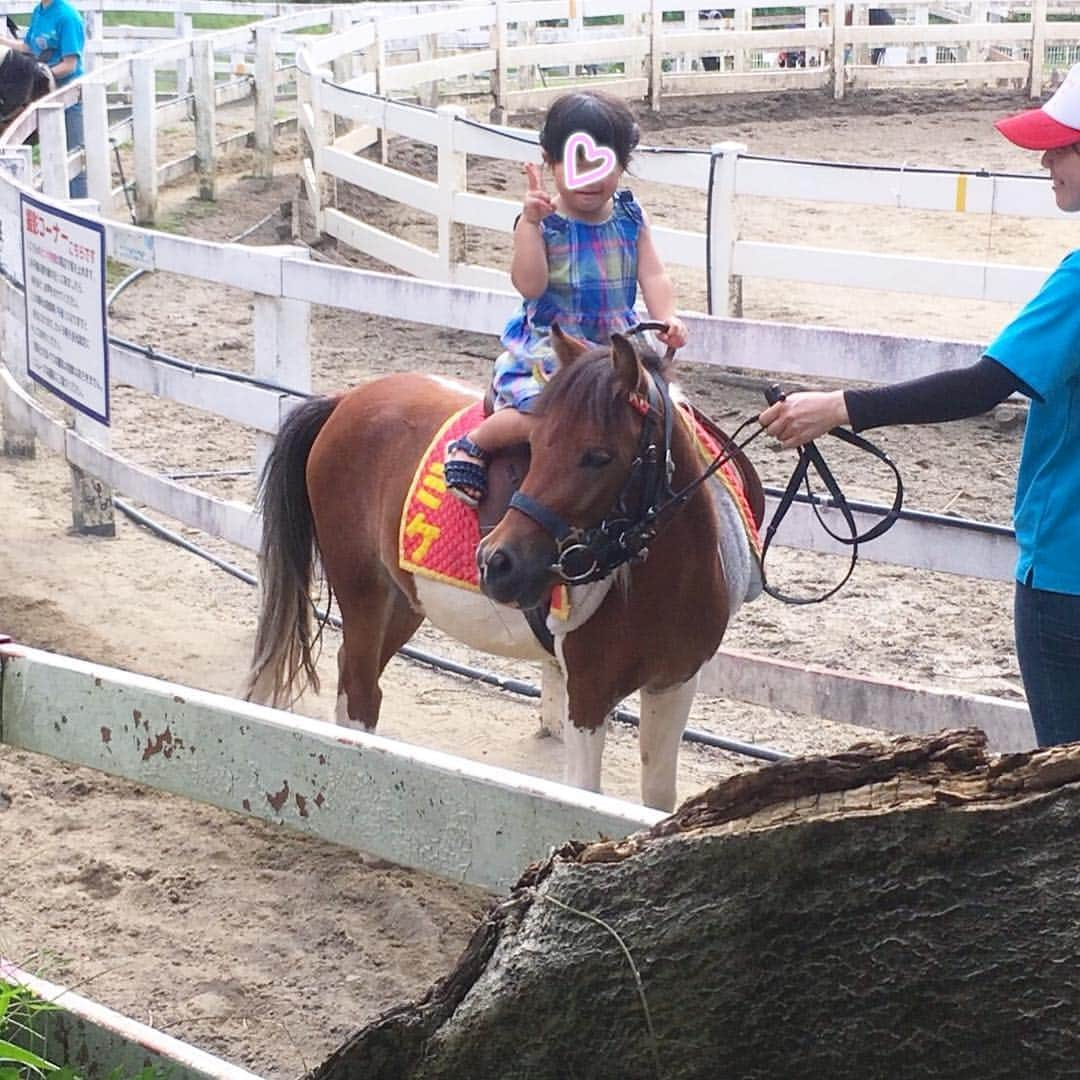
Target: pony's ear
x: 624, y: 359
x: 567, y: 348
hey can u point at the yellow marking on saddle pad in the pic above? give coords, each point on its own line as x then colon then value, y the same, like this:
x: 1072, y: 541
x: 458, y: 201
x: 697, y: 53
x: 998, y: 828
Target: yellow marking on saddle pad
x: 438, y: 533
x: 427, y: 532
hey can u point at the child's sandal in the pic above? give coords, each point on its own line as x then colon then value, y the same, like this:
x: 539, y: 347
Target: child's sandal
x: 467, y: 480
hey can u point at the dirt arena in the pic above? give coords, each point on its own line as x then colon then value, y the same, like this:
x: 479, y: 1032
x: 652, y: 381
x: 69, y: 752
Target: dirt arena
x: 268, y: 949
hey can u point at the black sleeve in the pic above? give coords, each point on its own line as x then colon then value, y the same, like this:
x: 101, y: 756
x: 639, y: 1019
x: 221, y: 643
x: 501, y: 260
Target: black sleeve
x: 946, y: 395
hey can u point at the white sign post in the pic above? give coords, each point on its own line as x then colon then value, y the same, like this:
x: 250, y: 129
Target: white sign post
x: 67, y: 346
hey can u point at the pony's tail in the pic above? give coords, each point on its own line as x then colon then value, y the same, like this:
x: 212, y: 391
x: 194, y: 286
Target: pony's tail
x: 283, y: 638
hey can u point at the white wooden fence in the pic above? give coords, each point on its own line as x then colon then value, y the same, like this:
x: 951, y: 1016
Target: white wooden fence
x: 725, y: 172
x: 284, y: 283
x: 444, y: 815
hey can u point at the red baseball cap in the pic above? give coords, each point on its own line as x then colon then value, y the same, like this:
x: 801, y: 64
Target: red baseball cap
x: 1056, y: 124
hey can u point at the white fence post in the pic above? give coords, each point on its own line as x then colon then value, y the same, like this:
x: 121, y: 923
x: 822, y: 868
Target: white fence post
x: 52, y: 140
x: 744, y: 20
x: 92, y: 512
x: 94, y: 23
x: 144, y: 126
x: 656, y: 56
x: 1038, y: 47
x: 380, y: 89
x: 838, y: 12
x: 499, y: 112
x: 96, y: 124
x: 721, y: 239
x: 316, y: 138
x: 281, y: 346
x: 184, y: 28
x: 91, y: 499
x: 342, y: 67
x: 265, y: 43
x: 426, y: 50
x: 205, y: 116
x: 18, y: 432
x: 452, y: 179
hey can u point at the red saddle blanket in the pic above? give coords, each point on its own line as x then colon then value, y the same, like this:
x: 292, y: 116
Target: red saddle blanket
x: 439, y: 534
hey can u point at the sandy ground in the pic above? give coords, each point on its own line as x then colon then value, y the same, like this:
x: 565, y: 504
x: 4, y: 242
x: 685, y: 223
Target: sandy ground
x: 269, y: 949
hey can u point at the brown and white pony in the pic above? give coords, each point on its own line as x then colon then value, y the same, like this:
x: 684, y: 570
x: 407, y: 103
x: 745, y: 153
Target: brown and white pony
x: 22, y: 80
x: 335, y: 484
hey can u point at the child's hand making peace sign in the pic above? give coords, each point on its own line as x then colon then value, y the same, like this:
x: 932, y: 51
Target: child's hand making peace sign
x: 538, y: 203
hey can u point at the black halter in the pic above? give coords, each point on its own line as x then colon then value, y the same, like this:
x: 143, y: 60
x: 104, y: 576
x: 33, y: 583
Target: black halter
x: 584, y: 555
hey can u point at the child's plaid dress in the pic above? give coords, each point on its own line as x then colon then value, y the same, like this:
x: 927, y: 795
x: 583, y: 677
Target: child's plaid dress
x: 591, y: 292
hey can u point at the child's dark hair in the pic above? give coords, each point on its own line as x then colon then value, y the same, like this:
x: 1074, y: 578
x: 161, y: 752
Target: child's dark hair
x: 605, y: 118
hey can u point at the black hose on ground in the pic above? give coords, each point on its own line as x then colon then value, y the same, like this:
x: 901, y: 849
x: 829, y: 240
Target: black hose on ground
x: 488, y: 678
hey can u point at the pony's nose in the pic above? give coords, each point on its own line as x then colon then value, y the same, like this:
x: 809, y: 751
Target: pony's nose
x: 494, y: 565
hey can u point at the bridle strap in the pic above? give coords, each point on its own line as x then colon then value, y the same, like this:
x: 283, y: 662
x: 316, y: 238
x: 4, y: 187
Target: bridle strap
x: 547, y: 519
x: 811, y: 456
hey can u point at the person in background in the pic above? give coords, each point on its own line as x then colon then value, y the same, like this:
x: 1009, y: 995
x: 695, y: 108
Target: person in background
x: 879, y: 17
x: 1037, y: 355
x: 57, y: 37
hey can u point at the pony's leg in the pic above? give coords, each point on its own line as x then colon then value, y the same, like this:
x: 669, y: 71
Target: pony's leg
x: 663, y: 720
x: 377, y: 622
x: 552, y: 699
x: 584, y: 749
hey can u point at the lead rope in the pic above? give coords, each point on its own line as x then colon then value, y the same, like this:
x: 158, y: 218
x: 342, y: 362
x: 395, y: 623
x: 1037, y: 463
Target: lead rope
x: 810, y: 455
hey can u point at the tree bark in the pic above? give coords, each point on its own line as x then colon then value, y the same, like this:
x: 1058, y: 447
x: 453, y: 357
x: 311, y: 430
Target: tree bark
x: 907, y: 909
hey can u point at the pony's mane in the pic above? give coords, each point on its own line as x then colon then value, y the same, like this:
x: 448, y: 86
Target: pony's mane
x: 589, y: 387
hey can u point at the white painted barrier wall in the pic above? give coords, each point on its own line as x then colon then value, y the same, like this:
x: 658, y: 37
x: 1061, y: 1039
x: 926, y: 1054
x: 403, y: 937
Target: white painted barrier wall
x: 419, y: 808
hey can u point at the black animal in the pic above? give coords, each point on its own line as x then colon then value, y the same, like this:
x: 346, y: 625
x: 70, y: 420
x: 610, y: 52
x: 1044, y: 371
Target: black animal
x: 22, y: 80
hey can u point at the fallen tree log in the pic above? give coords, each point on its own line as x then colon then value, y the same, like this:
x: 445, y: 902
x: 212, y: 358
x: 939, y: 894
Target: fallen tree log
x: 906, y: 909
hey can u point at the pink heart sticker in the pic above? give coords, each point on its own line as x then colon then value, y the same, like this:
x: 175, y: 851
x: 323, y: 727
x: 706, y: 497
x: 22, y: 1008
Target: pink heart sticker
x: 604, y: 156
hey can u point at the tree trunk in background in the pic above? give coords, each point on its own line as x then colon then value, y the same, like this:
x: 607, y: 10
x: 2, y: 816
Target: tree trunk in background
x: 907, y: 909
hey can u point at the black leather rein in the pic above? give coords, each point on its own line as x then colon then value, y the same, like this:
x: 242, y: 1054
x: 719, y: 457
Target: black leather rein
x: 586, y: 555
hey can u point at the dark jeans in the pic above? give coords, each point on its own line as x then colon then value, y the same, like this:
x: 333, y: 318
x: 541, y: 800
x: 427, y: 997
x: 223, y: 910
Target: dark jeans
x: 1048, y: 647
x: 73, y: 125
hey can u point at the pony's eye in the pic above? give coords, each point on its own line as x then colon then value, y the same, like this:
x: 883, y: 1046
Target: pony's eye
x: 595, y: 459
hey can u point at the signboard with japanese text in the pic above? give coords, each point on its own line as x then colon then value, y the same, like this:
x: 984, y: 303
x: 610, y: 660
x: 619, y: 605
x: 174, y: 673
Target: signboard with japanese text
x: 64, y: 274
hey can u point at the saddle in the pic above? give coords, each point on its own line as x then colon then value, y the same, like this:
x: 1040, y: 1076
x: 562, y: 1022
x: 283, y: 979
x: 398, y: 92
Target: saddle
x: 752, y: 490
x: 438, y: 533
x: 505, y: 472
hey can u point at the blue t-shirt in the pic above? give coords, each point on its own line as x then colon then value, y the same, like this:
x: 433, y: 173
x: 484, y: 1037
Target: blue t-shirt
x: 1041, y: 347
x: 57, y: 31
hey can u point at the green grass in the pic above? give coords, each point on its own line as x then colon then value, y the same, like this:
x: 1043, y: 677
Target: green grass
x: 18, y: 1011
x: 20, y: 1016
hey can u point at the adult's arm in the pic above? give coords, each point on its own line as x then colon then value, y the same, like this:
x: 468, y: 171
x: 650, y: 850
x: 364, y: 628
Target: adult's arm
x: 946, y: 395
x: 933, y: 399
x: 65, y: 67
